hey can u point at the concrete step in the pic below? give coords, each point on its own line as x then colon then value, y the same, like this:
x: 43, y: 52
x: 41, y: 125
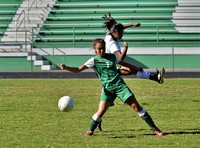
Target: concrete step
x: 33, y: 11
x: 19, y: 34
x: 186, y: 15
x: 27, y: 22
x: 11, y: 48
x: 31, y: 18
x: 34, y: 57
x: 22, y: 29
x: 9, y: 39
x: 186, y: 22
x: 22, y: 48
x: 43, y: 3
x: 188, y: 9
x: 41, y: 62
x: 25, y: 6
x: 13, y: 54
x: 188, y: 29
x: 26, y: 25
x: 188, y: 3
x: 48, y: 67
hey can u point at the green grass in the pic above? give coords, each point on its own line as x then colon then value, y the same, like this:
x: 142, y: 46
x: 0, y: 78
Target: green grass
x: 29, y: 116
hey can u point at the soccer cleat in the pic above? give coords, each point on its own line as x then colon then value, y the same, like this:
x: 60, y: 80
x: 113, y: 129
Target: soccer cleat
x: 158, y: 132
x: 99, y: 126
x: 161, y: 75
x: 89, y: 133
x: 112, y: 104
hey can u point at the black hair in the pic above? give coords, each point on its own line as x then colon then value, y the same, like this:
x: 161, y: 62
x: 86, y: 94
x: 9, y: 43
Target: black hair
x: 111, y: 24
x: 99, y: 40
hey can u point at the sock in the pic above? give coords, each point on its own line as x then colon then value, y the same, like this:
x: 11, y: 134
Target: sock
x: 147, y: 75
x: 153, y: 76
x: 143, y: 74
x: 94, y: 122
x: 147, y: 118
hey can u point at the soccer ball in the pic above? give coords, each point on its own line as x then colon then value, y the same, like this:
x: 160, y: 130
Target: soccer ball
x: 66, y: 104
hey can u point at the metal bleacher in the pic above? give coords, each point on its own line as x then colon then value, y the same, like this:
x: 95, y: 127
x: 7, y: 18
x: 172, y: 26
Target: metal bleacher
x: 75, y: 23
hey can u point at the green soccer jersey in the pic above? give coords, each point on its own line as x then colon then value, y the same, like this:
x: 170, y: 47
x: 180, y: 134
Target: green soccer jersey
x: 106, y: 70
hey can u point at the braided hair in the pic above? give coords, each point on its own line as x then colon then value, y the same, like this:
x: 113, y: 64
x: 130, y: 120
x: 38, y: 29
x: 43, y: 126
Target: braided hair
x: 111, y: 24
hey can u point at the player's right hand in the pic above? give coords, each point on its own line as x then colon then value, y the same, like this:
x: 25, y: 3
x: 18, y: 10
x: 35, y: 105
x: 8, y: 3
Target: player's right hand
x: 136, y: 24
x: 62, y: 66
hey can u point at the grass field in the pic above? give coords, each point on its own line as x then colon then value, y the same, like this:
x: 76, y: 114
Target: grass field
x: 29, y: 116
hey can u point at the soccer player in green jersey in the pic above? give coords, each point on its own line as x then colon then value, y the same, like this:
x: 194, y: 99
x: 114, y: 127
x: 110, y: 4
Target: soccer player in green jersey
x: 113, y: 85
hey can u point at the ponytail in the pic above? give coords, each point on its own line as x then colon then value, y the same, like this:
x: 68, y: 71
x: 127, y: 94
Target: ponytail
x: 111, y: 24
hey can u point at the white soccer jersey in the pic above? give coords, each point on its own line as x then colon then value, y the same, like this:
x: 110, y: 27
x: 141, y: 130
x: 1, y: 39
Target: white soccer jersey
x: 111, y: 45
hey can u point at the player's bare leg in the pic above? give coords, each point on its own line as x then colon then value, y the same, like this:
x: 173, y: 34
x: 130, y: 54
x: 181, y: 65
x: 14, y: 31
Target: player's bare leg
x: 96, y: 119
x: 132, y: 102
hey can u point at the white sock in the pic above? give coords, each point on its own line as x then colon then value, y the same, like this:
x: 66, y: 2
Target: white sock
x: 143, y: 74
x: 142, y: 112
x: 96, y: 117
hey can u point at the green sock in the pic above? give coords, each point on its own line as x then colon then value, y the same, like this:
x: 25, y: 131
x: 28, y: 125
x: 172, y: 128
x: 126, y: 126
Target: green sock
x: 147, y: 118
x: 93, y: 125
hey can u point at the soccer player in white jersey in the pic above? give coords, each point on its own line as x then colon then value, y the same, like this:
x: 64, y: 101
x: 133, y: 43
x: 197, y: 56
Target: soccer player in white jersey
x: 116, y: 31
x: 113, y: 86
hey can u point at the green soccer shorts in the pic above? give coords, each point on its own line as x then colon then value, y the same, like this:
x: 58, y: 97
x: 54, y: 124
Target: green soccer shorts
x: 122, y: 92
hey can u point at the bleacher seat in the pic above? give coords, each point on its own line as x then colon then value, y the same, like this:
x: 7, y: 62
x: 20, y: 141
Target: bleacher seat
x: 8, y: 9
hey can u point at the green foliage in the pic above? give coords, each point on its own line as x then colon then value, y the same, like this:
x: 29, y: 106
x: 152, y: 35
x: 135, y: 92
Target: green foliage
x: 30, y: 117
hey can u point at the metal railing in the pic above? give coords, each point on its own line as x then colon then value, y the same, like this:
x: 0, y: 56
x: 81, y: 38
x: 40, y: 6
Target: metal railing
x: 19, y: 22
x: 156, y: 35
x: 30, y: 5
x: 27, y: 40
x: 53, y: 54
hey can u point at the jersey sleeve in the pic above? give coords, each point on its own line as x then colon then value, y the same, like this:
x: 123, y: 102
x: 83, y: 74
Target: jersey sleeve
x: 117, y: 59
x: 114, y: 46
x: 90, y: 63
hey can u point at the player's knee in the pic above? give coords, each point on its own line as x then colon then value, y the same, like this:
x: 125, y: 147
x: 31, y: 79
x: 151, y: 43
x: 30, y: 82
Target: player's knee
x: 138, y: 108
x: 133, y: 71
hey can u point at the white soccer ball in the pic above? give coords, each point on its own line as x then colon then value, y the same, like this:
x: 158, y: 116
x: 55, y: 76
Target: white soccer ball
x: 66, y: 104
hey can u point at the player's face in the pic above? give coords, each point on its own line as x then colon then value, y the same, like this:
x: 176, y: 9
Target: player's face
x: 118, y: 35
x: 100, y: 49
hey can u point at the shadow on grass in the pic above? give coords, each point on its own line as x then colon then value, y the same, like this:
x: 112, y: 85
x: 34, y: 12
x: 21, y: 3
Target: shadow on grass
x: 112, y: 135
x: 187, y: 131
x: 181, y: 132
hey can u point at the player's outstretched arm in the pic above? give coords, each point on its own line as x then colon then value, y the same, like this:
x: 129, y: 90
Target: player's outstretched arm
x: 124, y: 51
x: 73, y: 69
x: 132, y: 24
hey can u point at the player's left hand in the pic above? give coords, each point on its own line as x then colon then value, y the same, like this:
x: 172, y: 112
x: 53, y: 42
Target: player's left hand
x: 125, y: 44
